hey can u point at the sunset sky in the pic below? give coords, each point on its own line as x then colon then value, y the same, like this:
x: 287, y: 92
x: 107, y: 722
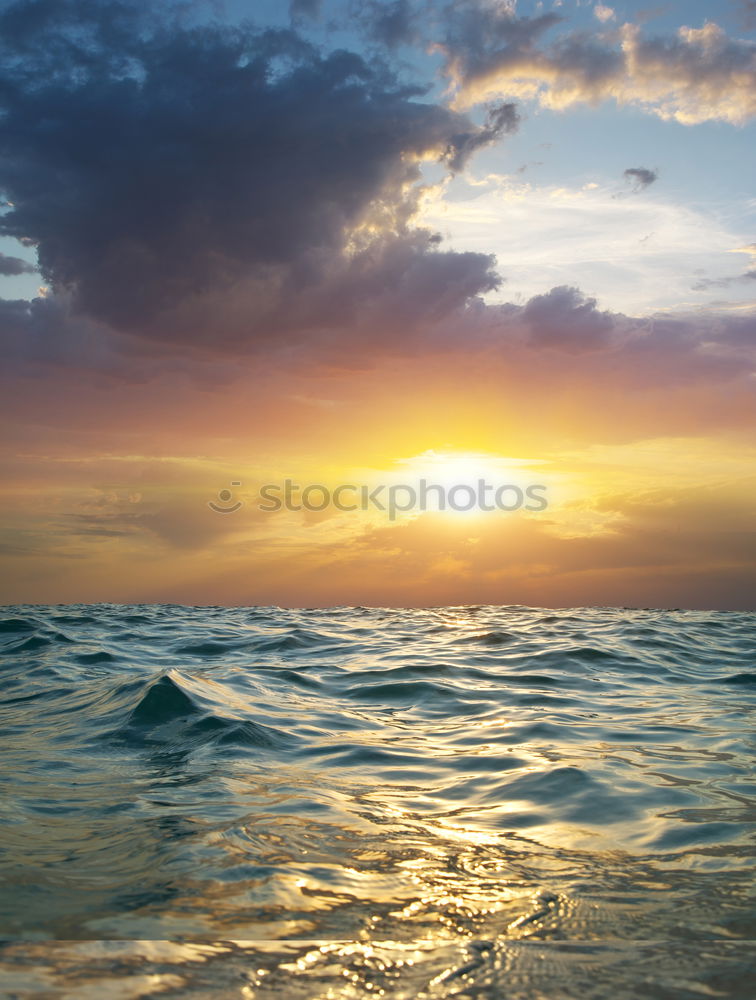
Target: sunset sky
x: 367, y: 243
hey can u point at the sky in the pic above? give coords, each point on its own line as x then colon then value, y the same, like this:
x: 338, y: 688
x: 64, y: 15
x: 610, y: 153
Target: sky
x: 372, y: 244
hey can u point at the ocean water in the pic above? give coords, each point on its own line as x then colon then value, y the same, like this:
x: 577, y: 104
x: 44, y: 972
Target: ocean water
x: 454, y: 802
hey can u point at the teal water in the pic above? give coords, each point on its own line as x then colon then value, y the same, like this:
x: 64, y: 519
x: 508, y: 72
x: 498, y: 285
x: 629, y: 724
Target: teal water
x: 474, y: 801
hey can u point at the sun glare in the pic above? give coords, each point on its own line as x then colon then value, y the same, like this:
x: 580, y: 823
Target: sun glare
x: 462, y: 475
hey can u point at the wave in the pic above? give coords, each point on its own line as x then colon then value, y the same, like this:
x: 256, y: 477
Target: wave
x: 241, y: 773
x: 175, y: 709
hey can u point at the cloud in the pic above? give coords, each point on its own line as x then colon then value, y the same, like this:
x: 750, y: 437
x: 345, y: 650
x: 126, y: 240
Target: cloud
x: 390, y: 24
x: 749, y: 12
x: 500, y: 120
x: 482, y: 40
x: 303, y: 9
x: 603, y: 13
x: 223, y: 185
x: 200, y: 195
x: 564, y: 318
x: 593, y: 237
x: 749, y: 248
x: 640, y: 177
x: 44, y: 335
x: 555, y: 339
x: 14, y: 265
x: 695, y: 75
x: 705, y: 284
x: 665, y: 547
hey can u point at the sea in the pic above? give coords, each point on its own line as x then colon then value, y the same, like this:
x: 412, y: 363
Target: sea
x: 328, y: 804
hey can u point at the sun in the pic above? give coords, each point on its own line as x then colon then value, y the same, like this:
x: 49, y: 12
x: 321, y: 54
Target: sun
x: 462, y: 482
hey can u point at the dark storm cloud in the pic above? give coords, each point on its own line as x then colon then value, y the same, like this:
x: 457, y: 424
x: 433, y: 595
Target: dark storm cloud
x: 44, y: 336
x: 564, y: 318
x: 221, y: 184
x: 14, y: 265
x: 43, y: 333
x: 640, y: 177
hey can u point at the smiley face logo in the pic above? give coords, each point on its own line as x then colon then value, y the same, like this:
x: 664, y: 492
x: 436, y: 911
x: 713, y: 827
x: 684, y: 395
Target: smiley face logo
x: 225, y: 497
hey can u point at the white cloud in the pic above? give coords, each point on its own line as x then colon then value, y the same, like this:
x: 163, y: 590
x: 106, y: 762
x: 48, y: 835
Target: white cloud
x: 636, y: 255
x: 603, y: 13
